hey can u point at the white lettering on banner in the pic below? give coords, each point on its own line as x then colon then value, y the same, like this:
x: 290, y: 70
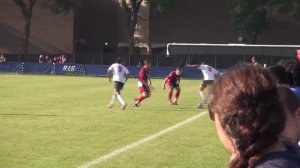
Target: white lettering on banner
x: 69, y: 68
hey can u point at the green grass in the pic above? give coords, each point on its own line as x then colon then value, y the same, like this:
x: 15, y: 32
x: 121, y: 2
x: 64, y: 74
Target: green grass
x: 62, y: 121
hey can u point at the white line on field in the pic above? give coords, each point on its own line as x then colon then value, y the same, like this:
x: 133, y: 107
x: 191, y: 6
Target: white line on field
x: 135, y: 144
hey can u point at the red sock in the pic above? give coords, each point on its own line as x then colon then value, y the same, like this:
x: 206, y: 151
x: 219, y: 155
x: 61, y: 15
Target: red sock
x: 177, y: 94
x: 140, y: 98
x: 170, y: 95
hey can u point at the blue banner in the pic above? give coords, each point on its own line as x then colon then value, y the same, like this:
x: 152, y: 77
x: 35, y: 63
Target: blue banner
x: 37, y: 68
x: 96, y: 70
x: 192, y: 73
x: 10, y: 67
x: 134, y: 71
x: 91, y: 70
x: 72, y: 69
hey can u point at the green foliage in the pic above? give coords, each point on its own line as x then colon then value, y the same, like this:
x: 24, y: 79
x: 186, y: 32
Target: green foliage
x: 62, y: 121
x: 59, y: 6
x: 162, y: 5
x: 289, y: 7
x: 249, y: 18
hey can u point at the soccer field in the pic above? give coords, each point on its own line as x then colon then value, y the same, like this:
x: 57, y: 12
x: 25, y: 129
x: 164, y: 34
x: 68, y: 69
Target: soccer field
x: 62, y: 121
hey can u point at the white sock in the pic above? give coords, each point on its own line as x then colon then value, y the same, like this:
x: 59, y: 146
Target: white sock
x: 120, y: 99
x: 113, y: 98
x: 202, y: 95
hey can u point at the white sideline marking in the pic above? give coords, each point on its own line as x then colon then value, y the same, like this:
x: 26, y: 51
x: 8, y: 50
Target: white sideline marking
x: 135, y: 144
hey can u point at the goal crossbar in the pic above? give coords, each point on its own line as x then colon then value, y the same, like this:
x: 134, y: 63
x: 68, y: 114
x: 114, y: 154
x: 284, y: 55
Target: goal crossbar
x: 231, y: 49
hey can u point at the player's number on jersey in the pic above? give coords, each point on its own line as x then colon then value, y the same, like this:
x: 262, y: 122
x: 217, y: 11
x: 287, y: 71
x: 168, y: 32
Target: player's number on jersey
x: 119, y: 69
x: 209, y: 69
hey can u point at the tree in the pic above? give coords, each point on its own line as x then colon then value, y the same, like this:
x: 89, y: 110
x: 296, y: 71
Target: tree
x: 286, y: 7
x: 56, y: 6
x: 250, y: 17
x: 26, y: 9
x: 132, y: 8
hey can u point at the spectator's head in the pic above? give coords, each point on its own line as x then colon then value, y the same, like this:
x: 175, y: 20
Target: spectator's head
x: 178, y: 71
x: 278, y: 74
x: 291, y: 105
x: 247, y: 112
x: 41, y: 56
x: 147, y: 62
x: 120, y: 60
x: 253, y: 60
x: 292, y: 68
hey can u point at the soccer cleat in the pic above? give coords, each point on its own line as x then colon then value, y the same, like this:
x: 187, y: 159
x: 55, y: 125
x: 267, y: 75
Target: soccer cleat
x: 124, y: 106
x: 175, y: 103
x: 200, y: 106
x: 110, y: 105
x: 138, y: 104
x: 135, y: 105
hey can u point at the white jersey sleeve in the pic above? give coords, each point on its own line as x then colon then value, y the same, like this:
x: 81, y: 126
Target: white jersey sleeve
x: 111, y: 68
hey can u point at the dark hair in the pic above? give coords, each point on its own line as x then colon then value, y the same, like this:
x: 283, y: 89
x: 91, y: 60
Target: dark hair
x: 293, y: 69
x: 120, y: 60
x: 179, y: 68
x: 249, y: 110
x: 146, y: 61
x: 288, y: 98
x: 278, y: 74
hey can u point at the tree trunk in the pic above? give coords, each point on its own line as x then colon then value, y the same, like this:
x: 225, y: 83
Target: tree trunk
x: 131, y: 29
x: 27, y: 33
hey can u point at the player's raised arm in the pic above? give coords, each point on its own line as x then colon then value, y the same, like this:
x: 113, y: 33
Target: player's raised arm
x: 192, y: 66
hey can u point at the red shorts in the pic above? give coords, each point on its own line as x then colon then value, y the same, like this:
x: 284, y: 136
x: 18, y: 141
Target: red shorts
x: 172, y: 84
x: 144, y: 88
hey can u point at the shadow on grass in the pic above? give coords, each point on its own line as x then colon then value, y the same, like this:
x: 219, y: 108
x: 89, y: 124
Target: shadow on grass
x: 42, y: 115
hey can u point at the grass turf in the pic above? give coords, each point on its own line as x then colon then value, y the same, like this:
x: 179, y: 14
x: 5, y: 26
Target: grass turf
x: 62, y: 121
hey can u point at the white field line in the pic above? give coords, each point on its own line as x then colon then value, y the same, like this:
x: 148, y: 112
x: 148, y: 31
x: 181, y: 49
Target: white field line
x: 140, y: 142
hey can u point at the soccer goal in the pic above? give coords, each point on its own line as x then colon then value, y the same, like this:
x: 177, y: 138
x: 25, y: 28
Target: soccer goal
x: 225, y: 55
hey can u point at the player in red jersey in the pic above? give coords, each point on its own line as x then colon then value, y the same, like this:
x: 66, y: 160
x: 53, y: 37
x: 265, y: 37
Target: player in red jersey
x: 173, y: 80
x: 144, y: 83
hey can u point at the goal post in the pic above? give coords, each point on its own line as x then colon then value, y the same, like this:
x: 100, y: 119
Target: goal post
x: 225, y: 55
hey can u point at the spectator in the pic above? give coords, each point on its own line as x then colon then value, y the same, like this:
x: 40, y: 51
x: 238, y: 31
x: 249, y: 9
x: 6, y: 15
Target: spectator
x: 62, y: 59
x: 47, y: 59
x: 292, y: 69
x: 42, y: 59
x: 249, y: 118
x: 291, y: 106
x: 55, y: 60
x: 278, y: 74
x: 2, y: 58
x: 254, y: 61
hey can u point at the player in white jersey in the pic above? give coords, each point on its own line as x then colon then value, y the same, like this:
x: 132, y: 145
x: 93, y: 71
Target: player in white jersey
x: 209, y: 74
x: 119, y: 74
